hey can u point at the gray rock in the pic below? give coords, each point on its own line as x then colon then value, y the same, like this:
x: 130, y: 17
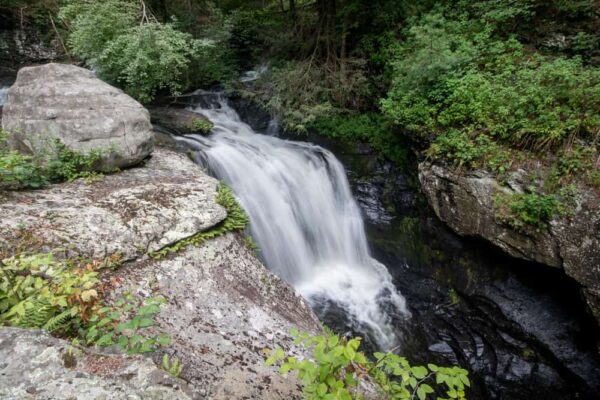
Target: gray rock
x: 131, y: 213
x: 178, y: 119
x: 65, y: 102
x: 224, y: 310
x: 465, y: 201
x: 34, y: 365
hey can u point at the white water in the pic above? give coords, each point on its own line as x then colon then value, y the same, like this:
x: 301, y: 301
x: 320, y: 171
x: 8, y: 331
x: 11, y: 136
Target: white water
x: 304, y: 218
x: 3, y: 95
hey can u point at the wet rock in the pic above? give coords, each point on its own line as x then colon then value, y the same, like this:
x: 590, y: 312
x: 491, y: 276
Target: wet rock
x: 465, y: 201
x: 68, y: 103
x: 181, y: 120
x: 33, y: 367
x: 130, y: 213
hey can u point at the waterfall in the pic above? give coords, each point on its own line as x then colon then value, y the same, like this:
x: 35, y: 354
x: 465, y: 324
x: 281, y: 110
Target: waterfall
x: 3, y: 95
x: 303, y: 217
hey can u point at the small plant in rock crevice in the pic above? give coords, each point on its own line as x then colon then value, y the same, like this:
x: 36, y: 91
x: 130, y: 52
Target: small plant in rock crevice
x: 203, y: 126
x: 172, y: 365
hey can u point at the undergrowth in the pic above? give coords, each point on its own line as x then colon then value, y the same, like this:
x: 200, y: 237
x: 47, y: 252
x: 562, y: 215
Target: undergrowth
x: 66, y: 299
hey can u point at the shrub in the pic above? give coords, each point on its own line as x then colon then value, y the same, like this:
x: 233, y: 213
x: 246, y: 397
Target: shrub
x: 37, y: 291
x: 147, y: 58
x: 522, y: 210
x: 373, y: 128
x: 338, y: 370
x: 130, y: 49
x: 453, y: 74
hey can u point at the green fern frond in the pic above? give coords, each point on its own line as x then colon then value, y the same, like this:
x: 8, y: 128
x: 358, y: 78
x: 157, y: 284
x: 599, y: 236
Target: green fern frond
x: 59, y: 323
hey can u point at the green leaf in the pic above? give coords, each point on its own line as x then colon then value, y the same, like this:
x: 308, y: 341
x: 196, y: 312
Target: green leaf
x: 349, y: 352
x: 419, y: 372
x: 146, y: 322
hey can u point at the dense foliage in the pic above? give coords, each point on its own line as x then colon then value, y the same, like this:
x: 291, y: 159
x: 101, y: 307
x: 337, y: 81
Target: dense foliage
x: 338, y: 370
x: 128, y: 46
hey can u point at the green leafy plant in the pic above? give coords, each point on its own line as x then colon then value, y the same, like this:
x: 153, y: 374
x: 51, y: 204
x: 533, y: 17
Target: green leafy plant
x: 338, y: 370
x: 38, y: 292
x: 130, y: 48
x: 172, y: 365
x: 58, y: 163
x: 236, y: 220
x: 522, y: 210
x: 124, y: 323
x: 202, y: 125
x: 251, y: 244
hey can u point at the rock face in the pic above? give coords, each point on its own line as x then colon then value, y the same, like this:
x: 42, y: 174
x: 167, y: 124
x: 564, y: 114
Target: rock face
x: 25, y: 46
x: 223, y: 311
x: 224, y: 308
x: 37, y: 366
x: 465, y: 201
x: 65, y: 102
x: 130, y: 213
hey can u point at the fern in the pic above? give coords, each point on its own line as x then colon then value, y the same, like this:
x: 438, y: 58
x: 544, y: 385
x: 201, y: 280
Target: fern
x: 37, y: 312
x: 59, y: 323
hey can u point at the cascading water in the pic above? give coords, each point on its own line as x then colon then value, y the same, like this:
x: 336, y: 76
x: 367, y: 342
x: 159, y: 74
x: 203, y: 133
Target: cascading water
x: 304, y: 218
x: 3, y: 95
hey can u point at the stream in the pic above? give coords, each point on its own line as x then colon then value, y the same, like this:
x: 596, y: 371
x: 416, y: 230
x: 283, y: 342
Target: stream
x: 352, y: 234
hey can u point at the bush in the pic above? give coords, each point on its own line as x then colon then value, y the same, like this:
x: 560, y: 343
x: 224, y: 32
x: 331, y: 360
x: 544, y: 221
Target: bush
x: 338, y: 370
x: 147, y: 58
x: 134, y: 51
x: 522, y: 210
x: 370, y: 127
x: 451, y: 74
x: 38, y: 292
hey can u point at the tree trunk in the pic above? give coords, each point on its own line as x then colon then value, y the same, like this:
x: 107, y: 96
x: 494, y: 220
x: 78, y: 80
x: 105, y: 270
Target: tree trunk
x: 327, y: 23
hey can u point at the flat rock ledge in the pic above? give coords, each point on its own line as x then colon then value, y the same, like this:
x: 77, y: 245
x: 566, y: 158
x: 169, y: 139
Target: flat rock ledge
x: 465, y: 201
x: 224, y: 309
x: 130, y: 213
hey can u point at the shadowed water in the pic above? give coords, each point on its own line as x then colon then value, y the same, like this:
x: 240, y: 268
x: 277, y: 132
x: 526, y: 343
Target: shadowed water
x: 304, y: 218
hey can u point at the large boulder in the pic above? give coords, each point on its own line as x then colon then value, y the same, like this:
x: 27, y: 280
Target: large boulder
x: 130, y: 213
x: 68, y: 103
x: 465, y: 201
x: 224, y: 312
